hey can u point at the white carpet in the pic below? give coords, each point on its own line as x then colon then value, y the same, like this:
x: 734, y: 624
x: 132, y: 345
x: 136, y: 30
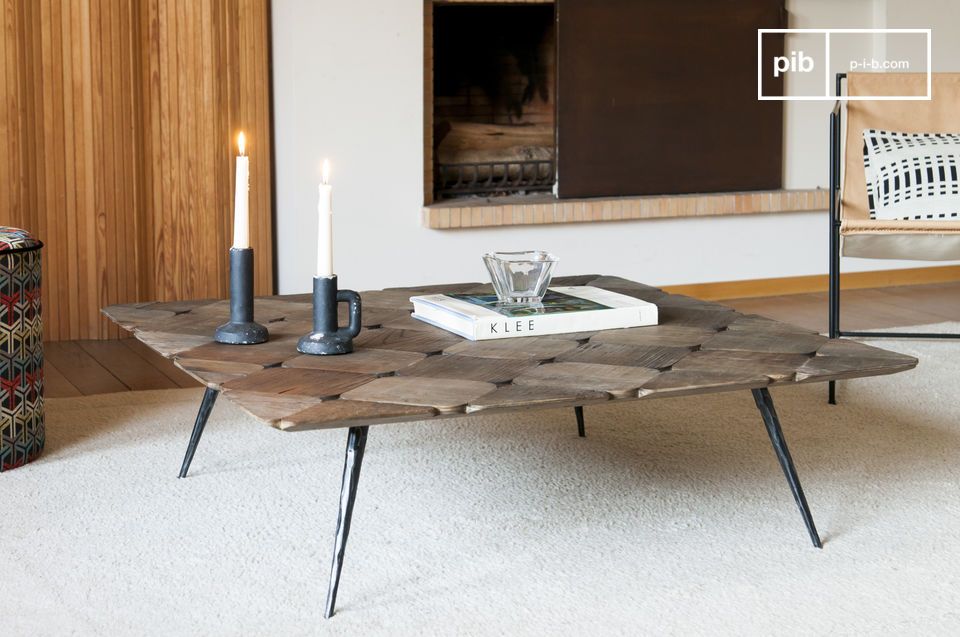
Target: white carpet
x: 671, y: 517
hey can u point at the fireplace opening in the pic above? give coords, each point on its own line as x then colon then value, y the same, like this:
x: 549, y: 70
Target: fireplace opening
x: 494, y: 88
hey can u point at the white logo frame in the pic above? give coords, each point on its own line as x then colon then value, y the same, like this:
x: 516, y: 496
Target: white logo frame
x: 827, y: 96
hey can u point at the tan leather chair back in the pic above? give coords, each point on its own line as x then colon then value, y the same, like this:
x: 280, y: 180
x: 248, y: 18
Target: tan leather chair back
x: 938, y: 115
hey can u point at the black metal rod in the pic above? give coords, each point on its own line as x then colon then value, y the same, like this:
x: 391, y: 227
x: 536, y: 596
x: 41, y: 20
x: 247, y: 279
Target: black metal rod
x: 840, y: 78
x: 765, y: 405
x: 833, y: 280
x: 834, y: 265
x: 578, y: 410
x: 900, y: 335
x: 356, y: 442
x: 206, y: 406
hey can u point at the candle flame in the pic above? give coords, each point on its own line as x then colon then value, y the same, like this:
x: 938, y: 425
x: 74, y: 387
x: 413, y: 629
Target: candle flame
x: 326, y: 171
x: 242, y: 143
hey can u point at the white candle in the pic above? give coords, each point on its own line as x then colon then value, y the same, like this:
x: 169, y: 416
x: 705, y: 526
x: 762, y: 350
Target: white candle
x: 325, y: 225
x: 241, y: 198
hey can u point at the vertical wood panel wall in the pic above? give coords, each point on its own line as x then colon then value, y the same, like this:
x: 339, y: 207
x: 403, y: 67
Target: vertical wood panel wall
x: 118, y: 122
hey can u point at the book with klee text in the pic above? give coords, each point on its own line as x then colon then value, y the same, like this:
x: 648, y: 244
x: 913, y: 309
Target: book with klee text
x: 480, y: 317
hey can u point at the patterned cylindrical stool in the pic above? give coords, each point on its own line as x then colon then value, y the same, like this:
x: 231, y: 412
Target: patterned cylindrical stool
x: 21, y: 349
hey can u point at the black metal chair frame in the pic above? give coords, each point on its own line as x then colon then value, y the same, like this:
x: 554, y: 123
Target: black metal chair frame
x: 836, y: 144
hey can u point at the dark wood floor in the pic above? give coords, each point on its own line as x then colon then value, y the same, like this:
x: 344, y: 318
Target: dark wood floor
x: 868, y: 309
x: 79, y: 368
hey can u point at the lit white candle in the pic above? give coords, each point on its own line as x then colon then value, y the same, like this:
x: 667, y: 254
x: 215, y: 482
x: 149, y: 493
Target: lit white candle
x: 325, y: 225
x: 241, y: 198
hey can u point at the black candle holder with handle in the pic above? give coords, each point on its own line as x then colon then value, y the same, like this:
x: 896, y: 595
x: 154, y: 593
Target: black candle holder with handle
x: 327, y: 337
x: 241, y: 329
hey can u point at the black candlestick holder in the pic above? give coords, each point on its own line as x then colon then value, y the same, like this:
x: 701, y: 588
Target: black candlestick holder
x: 241, y: 329
x: 327, y: 337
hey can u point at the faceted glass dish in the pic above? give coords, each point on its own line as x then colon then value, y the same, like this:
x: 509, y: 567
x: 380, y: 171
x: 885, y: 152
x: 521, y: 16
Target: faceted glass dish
x: 520, y: 278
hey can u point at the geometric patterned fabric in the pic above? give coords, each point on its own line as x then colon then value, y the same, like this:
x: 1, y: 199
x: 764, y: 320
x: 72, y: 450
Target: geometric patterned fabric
x: 21, y: 349
x: 912, y: 176
x: 17, y: 239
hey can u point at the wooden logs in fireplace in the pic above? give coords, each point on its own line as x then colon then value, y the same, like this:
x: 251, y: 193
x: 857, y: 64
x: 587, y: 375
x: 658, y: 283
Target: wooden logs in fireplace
x: 469, y: 142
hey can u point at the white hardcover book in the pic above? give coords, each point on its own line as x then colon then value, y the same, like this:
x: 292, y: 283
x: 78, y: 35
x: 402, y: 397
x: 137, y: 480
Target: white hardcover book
x: 565, y: 309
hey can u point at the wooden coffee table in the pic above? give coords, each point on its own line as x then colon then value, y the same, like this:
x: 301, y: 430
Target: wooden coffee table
x: 406, y: 370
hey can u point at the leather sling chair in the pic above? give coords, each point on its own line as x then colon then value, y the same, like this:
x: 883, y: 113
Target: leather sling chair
x: 852, y: 232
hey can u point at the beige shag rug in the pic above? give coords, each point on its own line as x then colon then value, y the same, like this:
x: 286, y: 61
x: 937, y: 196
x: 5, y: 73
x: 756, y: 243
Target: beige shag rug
x: 671, y: 517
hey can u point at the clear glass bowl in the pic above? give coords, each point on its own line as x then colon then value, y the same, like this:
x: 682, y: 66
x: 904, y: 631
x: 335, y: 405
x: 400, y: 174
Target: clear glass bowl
x: 520, y: 278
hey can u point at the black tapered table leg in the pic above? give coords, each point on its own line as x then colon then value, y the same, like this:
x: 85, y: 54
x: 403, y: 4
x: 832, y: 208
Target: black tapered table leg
x: 356, y: 442
x: 209, y: 398
x: 832, y: 392
x: 765, y: 405
x: 580, y: 428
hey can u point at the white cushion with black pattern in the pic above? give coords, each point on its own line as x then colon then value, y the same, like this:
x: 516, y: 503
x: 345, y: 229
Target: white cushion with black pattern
x: 912, y: 176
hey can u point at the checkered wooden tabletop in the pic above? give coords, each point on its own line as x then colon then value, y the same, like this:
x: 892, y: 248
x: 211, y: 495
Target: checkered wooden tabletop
x: 405, y: 370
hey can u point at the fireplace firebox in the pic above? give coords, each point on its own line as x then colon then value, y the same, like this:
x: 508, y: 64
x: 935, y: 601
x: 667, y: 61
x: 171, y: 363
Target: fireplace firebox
x: 588, y: 99
x: 494, y: 87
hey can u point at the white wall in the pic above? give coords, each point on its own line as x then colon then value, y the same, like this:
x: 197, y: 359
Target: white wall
x: 348, y: 85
